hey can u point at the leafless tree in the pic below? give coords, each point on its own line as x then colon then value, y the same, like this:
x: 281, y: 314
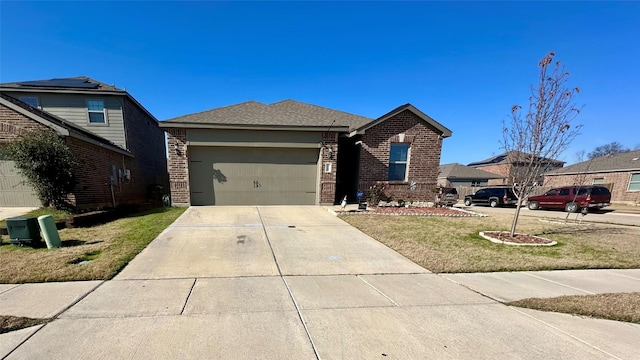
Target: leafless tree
x: 611, y: 148
x: 543, y: 132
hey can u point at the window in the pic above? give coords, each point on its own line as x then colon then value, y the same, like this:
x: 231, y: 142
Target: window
x: 564, y: 192
x: 96, y: 112
x: 475, y: 182
x: 634, y: 183
x: 398, y: 160
x: 31, y: 100
x: 597, y: 181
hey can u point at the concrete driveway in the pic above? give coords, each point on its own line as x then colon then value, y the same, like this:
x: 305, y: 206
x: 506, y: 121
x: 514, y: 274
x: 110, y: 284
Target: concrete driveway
x: 299, y: 283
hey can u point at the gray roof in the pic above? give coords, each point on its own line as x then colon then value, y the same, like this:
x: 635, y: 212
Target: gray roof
x: 82, y: 84
x: 628, y: 161
x: 508, y: 157
x: 70, y: 85
x: 284, y: 113
x: 459, y: 171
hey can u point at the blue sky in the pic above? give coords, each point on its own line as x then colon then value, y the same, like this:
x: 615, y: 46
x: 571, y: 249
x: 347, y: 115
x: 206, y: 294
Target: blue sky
x: 463, y: 63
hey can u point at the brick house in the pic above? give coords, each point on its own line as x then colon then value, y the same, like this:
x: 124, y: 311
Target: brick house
x: 295, y: 153
x: 508, y: 164
x: 119, y: 143
x: 620, y: 172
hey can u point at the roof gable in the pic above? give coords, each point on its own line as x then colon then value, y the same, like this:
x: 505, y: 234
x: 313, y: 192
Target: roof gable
x: 426, y: 118
x: 627, y: 161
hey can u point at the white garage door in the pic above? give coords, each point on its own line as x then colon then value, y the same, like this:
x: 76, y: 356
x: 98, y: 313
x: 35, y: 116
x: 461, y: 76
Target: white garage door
x: 252, y: 176
x: 14, y: 191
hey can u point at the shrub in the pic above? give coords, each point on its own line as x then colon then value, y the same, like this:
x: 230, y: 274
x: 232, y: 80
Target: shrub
x: 46, y: 161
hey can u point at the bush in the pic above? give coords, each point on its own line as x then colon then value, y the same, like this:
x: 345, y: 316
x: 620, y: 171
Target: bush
x: 46, y: 161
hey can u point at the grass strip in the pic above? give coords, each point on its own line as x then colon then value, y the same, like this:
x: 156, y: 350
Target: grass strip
x: 12, y: 323
x: 619, y: 306
x: 95, y: 253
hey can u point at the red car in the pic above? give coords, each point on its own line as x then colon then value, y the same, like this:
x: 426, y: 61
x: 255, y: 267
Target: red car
x: 572, y: 198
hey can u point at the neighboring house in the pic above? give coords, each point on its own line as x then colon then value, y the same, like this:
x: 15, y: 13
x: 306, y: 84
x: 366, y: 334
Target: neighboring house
x: 620, y: 172
x: 118, y: 140
x: 295, y: 153
x: 510, y: 163
x: 456, y: 175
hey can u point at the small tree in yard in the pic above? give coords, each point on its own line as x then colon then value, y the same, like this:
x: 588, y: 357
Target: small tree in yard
x: 44, y: 159
x: 544, y: 132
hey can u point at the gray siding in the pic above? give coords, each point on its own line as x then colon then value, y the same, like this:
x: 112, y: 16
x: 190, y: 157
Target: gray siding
x: 73, y: 108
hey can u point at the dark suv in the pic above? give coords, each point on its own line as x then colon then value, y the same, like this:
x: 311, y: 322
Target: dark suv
x: 572, y: 198
x: 492, y: 196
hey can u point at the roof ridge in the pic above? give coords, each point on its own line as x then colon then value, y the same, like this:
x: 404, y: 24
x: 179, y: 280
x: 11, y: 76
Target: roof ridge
x: 214, y: 109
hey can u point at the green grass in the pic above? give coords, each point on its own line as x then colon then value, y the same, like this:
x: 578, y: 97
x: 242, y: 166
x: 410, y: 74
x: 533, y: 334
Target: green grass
x: 95, y: 253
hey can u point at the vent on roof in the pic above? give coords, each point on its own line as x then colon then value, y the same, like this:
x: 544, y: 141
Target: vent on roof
x: 634, y: 159
x: 68, y: 83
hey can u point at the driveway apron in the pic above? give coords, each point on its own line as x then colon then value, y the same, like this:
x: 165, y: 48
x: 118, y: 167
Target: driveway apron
x: 294, y: 282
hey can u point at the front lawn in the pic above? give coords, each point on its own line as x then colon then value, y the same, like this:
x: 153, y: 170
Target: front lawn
x: 95, y: 253
x: 452, y: 244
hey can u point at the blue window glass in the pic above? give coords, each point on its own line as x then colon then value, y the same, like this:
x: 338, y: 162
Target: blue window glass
x: 398, y: 157
x: 96, y: 112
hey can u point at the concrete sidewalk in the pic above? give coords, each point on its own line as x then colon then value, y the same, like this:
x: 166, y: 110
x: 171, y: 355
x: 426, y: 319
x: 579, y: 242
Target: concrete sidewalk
x: 292, y: 283
x: 511, y: 286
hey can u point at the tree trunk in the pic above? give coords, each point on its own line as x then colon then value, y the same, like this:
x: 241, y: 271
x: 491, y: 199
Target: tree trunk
x: 515, y: 219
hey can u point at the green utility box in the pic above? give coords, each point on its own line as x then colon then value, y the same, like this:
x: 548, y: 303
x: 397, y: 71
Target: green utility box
x: 24, y: 232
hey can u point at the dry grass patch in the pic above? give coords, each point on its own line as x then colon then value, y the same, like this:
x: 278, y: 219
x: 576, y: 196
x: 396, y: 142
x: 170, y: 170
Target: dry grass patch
x: 452, y: 245
x: 96, y: 253
x: 620, y: 307
x: 12, y: 323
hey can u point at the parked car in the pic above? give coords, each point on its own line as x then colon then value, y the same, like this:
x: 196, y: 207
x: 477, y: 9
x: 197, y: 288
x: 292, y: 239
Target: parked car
x: 447, y: 196
x: 572, y: 198
x: 492, y: 196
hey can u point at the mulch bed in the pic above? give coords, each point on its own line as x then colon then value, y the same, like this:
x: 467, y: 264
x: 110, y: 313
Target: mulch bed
x: 518, y: 238
x: 413, y: 211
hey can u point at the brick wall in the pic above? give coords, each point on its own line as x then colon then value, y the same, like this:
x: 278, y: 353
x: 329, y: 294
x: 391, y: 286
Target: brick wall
x: 620, y: 181
x: 92, y: 174
x: 93, y: 189
x: 178, y: 167
x: 146, y: 141
x: 13, y: 124
x: 425, y: 150
x: 328, y: 180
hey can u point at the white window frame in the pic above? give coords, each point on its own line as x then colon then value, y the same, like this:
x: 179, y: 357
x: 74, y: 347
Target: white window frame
x: 633, y: 182
x: 597, y: 181
x: 103, y: 112
x: 23, y: 98
x: 406, y: 163
x: 476, y: 183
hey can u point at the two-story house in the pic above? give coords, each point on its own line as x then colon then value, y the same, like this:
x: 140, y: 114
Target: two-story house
x: 118, y: 142
x: 509, y: 166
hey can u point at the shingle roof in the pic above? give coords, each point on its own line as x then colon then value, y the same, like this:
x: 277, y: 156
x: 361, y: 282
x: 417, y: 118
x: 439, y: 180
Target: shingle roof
x: 459, y: 171
x: 507, y: 158
x: 77, y: 83
x: 620, y: 162
x: 283, y: 113
x: 61, y: 123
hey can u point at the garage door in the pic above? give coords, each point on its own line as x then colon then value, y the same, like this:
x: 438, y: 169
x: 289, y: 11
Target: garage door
x: 252, y: 176
x: 14, y: 191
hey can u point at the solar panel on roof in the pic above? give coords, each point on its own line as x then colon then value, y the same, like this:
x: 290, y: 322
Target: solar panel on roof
x: 64, y: 82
